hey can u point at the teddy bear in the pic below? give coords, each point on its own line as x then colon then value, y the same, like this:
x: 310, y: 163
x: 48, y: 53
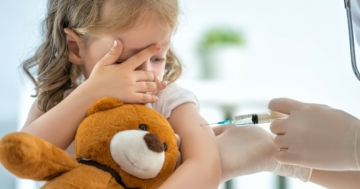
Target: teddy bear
x: 116, y: 146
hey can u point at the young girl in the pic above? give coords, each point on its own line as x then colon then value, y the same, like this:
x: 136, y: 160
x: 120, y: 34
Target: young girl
x: 121, y: 49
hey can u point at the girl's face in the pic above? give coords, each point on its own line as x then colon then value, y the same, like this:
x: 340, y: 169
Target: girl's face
x: 133, y: 41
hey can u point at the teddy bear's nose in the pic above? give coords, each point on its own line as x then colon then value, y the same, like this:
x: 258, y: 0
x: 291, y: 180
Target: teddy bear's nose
x: 153, y: 142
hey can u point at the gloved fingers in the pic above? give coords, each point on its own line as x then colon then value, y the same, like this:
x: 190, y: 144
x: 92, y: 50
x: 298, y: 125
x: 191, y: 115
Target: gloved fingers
x: 284, y: 105
x: 320, y: 105
x: 285, y: 157
x: 278, y: 127
x: 280, y: 142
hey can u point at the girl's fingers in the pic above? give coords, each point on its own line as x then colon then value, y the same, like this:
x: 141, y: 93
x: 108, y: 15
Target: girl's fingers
x: 141, y: 98
x: 178, y: 141
x: 178, y: 162
x: 146, y: 79
x: 142, y: 75
x: 113, y: 54
x: 135, y: 61
x: 284, y: 105
x: 160, y: 84
x: 144, y: 87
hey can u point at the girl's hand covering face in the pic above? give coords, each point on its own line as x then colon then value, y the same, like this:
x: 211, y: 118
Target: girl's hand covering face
x: 122, y: 81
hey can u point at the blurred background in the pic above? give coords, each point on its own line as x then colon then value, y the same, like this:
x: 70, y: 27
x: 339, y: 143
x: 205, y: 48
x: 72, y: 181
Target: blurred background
x: 237, y: 55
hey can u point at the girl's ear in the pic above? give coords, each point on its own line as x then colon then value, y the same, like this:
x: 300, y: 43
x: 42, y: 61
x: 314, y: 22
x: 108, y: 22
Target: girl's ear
x: 73, y: 42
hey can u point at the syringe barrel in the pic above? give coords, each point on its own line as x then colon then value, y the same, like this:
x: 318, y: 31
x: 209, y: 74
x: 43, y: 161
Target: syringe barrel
x: 258, y: 118
x: 243, y: 120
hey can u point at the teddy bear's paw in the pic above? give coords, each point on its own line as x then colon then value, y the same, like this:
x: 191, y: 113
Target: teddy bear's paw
x: 28, y: 156
x: 18, y: 148
x: 18, y: 152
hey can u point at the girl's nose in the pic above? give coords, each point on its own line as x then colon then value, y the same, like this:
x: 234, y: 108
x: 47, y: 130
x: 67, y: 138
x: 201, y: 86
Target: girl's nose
x: 145, y: 66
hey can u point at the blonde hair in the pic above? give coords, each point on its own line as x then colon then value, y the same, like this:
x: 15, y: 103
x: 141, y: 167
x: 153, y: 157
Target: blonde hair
x: 55, y: 74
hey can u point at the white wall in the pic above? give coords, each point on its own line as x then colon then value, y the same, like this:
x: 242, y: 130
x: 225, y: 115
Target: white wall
x: 19, y: 23
x: 299, y: 43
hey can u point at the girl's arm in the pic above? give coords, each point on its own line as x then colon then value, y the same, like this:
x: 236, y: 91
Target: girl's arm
x: 200, y: 166
x: 58, y: 125
x: 336, y: 179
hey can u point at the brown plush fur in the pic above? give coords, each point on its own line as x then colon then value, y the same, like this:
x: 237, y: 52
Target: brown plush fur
x: 27, y: 156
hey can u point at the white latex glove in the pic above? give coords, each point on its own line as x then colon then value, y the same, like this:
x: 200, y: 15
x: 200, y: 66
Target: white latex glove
x: 251, y: 149
x: 316, y: 136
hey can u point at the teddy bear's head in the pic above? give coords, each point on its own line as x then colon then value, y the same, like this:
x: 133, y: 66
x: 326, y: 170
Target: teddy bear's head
x: 132, y: 139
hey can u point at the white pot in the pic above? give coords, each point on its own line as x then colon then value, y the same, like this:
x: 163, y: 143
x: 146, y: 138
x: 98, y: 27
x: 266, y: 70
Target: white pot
x: 223, y: 62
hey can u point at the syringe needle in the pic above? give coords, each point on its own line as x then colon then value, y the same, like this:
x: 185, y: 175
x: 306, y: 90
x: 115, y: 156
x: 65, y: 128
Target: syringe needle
x: 224, y: 122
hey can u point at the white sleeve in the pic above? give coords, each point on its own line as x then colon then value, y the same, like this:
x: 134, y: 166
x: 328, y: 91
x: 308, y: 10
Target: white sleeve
x: 171, y: 97
x: 355, y: 14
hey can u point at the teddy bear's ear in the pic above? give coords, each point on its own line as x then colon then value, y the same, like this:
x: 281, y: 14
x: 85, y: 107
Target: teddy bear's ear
x: 105, y: 103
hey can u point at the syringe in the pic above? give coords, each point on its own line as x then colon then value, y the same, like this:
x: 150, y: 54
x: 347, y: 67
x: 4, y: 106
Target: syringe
x: 250, y: 119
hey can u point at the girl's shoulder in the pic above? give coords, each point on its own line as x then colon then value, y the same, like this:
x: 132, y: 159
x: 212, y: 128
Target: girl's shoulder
x: 171, y: 97
x: 174, y: 88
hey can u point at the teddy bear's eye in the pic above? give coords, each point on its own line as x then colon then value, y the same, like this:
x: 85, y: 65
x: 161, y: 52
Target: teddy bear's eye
x: 142, y: 127
x: 165, y: 147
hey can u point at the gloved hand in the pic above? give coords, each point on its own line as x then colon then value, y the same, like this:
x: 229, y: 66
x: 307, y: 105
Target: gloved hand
x: 316, y: 136
x: 251, y: 149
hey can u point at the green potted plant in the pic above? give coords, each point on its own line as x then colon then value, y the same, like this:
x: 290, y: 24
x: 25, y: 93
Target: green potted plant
x: 218, y: 48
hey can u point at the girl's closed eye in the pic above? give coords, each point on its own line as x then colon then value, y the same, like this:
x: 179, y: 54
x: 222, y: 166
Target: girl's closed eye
x: 157, y: 60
